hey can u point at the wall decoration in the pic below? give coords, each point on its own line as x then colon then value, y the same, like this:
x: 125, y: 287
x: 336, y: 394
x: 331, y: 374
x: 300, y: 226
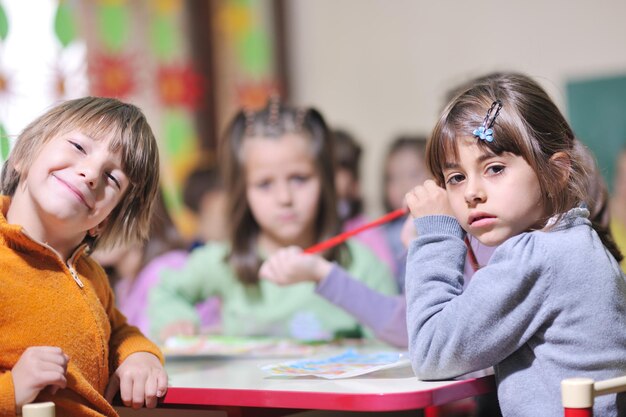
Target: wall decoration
x: 5, y: 83
x: 249, y: 55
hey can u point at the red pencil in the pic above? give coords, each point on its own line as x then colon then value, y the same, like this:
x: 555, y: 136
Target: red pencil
x: 334, y: 241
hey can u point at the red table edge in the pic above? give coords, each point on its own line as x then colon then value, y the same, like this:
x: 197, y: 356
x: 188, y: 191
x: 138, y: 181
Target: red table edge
x: 193, y: 397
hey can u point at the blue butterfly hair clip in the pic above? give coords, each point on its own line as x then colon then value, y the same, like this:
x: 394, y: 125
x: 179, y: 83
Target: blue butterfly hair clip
x: 485, y: 131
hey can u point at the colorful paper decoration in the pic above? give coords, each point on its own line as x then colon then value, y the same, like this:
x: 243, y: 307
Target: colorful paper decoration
x: 4, y: 87
x: 4, y: 24
x: 165, y: 39
x: 179, y: 89
x: 179, y: 85
x: 179, y: 133
x: 5, y: 84
x: 247, y: 28
x: 113, y: 23
x: 253, y: 95
x: 64, y: 24
x: 112, y: 75
x: 5, y: 146
x: 66, y: 32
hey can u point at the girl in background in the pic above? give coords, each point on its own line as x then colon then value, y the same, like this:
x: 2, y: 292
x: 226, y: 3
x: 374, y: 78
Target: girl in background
x: 618, y: 204
x: 404, y: 168
x: 350, y: 201
x: 204, y: 196
x: 388, y: 320
x: 279, y: 175
x: 509, y: 171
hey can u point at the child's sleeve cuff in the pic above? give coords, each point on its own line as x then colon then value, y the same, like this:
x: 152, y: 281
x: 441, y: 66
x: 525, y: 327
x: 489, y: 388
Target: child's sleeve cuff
x: 7, y: 395
x: 438, y: 224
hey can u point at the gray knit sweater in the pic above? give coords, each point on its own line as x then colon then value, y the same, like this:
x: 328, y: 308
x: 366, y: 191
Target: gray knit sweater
x: 548, y: 306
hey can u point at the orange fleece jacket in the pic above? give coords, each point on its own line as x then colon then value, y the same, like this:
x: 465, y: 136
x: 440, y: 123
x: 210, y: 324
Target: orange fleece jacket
x: 41, y: 304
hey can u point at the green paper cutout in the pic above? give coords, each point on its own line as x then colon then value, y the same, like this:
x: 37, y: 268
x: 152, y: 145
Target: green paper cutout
x: 114, y: 20
x: 5, y: 146
x: 64, y: 24
x: 164, y: 36
x: 4, y: 23
x: 254, y: 53
x: 173, y: 199
x: 178, y: 132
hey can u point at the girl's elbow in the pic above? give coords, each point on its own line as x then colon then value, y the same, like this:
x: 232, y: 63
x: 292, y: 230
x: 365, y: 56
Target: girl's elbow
x: 424, y: 369
x: 432, y: 366
x: 428, y: 363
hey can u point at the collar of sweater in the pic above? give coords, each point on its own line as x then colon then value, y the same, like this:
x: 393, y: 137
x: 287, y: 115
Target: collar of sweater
x: 565, y: 220
x: 17, y: 238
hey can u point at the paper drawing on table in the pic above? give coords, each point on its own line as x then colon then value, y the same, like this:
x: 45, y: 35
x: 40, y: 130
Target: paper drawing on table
x: 345, y: 365
x: 225, y: 346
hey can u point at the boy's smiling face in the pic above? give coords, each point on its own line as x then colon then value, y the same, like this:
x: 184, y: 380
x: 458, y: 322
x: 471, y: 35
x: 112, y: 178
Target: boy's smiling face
x: 72, y: 185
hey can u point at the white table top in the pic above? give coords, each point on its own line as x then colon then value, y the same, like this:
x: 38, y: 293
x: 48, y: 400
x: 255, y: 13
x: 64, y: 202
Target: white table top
x: 224, y: 381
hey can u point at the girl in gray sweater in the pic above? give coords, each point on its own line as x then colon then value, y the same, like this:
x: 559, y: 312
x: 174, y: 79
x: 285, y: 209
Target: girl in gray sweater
x: 551, y: 302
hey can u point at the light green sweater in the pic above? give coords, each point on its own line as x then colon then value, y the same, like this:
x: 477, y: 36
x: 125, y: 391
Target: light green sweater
x: 267, y: 310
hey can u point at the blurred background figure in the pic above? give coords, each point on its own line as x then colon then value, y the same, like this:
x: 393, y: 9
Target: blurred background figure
x: 279, y: 175
x: 204, y: 195
x: 191, y: 65
x: 134, y: 270
x: 618, y: 205
x: 404, y: 168
x: 350, y: 200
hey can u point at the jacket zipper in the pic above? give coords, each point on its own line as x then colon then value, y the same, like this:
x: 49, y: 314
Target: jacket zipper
x: 75, y: 276
x: 70, y: 262
x: 70, y: 266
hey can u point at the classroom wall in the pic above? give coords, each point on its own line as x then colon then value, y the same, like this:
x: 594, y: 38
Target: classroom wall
x: 381, y: 67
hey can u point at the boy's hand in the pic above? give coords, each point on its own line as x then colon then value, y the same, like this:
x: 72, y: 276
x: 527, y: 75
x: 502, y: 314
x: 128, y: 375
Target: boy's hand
x: 428, y: 199
x: 140, y: 379
x: 37, y: 368
x: 291, y: 265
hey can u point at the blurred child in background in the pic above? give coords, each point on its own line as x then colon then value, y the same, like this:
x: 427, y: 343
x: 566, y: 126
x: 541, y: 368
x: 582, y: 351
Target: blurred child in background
x: 279, y: 177
x: 618, y: 205
x: 135, y: 270
x: 388, y: 319
x: 403, y: 169
x: 350, y: 201
x: 204, y: 195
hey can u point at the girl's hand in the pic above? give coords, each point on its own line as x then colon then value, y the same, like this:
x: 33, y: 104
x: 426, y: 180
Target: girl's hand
x: 428, y: 199
x: 178, y: 328
x: 37, y: 368
x: 140, y: 379
x: 291, y: 265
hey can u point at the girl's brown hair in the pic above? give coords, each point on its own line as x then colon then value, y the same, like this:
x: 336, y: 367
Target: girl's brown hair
x: 99, y: 117
x: 529, y: 125
x: 273, y: 122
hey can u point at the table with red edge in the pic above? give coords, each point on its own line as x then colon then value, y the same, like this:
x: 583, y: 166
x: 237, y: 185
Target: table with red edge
x: 238, y: 387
